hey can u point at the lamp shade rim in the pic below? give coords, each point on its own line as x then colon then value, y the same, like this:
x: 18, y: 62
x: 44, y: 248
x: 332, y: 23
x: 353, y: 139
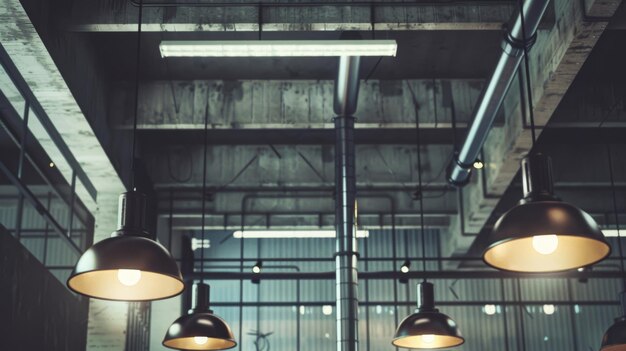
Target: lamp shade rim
x: 506, y: 240
x: 73, y: 276
x: 233, y: 344
x: 460, y: 339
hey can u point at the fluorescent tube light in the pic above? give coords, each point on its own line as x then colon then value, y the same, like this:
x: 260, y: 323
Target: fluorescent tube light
x: 291, y: 234
x: 277, y: 48
x: 612, y: 233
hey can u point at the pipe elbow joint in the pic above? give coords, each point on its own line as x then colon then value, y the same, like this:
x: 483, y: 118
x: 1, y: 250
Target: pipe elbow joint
x: 458, y: 174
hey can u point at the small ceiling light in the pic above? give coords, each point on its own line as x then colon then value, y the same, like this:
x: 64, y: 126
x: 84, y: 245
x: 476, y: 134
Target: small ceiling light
x: 257, y: 267
x: 542, y: 233
x: 327, y: 310
x: 277, y: 48
x: 200, y: 329
x: 51, y: 164
x: 427, y: 328
x: 490, y: 310
x: 406, y: 267
x: 549, y: 309
x: 127, y: 266
x: 478, y: 164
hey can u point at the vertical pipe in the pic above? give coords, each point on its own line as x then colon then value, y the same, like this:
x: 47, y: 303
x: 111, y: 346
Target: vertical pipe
x: 345, y: 101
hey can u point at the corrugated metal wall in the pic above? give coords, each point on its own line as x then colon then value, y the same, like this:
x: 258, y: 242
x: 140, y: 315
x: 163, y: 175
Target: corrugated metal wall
x: 59, y: 256
x: 300, y: 317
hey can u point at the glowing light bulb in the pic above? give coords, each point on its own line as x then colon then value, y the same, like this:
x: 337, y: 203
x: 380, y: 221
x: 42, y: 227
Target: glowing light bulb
x: 129, y: 277
x: 200, y: 340
x: 549, y: 309
x: 404, y: 269
x: 545, y: 244
x: 428, y: 338
x: 490, y: 310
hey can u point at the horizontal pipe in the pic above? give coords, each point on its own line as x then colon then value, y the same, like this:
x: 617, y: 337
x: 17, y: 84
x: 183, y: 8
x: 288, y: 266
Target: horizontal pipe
x: 494, y: 92
x: 497, y: 302
x: 385, y: 275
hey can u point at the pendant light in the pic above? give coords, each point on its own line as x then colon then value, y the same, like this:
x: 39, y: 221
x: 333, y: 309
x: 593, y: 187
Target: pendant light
x: 200, y: 329
x: 427, y: 328
x: 615, y: 337
x: 542, y: 233
x: 128, y: 266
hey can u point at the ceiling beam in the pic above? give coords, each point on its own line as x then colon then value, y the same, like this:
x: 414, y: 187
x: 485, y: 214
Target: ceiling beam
x: 292, y: 17
x: 294, y: 104
x: 555, y: 60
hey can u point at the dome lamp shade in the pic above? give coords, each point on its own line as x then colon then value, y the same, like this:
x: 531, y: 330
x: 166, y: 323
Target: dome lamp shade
x: 200, y: 329
x: 427, y: 328
x: 615, y: 337
x: 542, y: 233
x: 128, y: 266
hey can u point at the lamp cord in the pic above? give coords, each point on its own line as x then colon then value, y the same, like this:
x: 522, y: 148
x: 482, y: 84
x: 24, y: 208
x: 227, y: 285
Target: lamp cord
x: 420, y: 190
x: 614, y: 196
x: 529, y: 91
x: 137, y: 65
x: 205, y: 143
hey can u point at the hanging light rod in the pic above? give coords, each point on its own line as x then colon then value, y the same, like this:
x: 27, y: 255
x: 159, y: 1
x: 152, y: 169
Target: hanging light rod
x: 292, y: 234
x: 277, y: 48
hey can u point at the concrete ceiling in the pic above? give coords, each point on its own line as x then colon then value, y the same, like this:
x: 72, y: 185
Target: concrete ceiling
x: 270, y: 119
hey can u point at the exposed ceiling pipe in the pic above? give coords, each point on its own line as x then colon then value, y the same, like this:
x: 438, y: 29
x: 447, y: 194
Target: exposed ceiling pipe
x: 495, y: 91
x: 345, y: 102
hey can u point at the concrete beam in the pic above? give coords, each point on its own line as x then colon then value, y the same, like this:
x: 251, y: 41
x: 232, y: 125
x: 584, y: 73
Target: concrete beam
x: 250, y: 167
x: 295, y: 104
x: 28, y: 52
x: 121, y: 16
x: 556, y: 58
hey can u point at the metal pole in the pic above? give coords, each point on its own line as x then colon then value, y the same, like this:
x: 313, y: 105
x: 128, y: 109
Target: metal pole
x: 346, y: 274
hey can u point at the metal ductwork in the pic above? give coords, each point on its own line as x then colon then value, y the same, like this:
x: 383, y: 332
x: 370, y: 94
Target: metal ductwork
x: 495, y: 91
x: 345, y: 102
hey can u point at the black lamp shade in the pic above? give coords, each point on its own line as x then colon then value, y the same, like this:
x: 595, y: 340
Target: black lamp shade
x: 128, y: 266
x: 97, y: 273
x: 543, y: 234
x: 427, y: 328
x: 204, y: 326
x: 615, y: 337
x: 578, y: 240
x: 200, y: 329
